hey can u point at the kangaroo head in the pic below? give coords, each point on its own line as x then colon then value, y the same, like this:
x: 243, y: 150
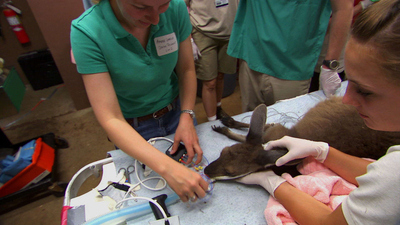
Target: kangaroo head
x: 244, y: 158
x: 240, y: 160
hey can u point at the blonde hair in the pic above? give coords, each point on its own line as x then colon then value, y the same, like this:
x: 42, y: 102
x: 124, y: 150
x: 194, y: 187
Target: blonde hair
x: 379, y: 27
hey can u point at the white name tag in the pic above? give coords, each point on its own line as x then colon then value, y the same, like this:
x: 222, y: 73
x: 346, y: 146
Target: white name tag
x: 166, y: 44
x: 219, y: 3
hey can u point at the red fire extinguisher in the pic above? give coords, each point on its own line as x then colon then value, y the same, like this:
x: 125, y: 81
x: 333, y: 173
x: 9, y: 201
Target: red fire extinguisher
x: 16, y: 26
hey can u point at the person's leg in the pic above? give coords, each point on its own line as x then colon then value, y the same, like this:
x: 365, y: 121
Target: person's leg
x: 257, y: 88
x: 285, y: 89
x: 219, y: 86
x: 253, y: 87
x: 220, y: 89
x: 209, y: 97
x: 206, y: 71
x: 226, y: 65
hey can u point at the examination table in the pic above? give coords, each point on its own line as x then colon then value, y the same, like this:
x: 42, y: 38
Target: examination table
x: 228, y: 202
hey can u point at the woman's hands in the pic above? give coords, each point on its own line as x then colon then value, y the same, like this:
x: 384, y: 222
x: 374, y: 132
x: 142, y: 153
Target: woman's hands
x: 186, y: 133
x: 299, y: 148
x: 266, y: 179
x: 187, y: 91
x: 187, y: 184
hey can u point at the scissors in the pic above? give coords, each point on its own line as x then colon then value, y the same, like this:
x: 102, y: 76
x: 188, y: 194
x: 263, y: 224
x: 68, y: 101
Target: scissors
x: 128, y: 171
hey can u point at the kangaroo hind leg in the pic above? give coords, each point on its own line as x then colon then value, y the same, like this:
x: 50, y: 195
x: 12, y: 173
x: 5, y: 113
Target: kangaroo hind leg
x: 228, y: 132
x: 232, y: 123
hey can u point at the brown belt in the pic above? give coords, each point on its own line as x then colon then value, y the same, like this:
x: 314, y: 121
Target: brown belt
x: 155, y: 115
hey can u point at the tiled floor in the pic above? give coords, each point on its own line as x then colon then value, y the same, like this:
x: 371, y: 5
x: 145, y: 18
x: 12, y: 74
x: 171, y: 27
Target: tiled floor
x: 87, y: 142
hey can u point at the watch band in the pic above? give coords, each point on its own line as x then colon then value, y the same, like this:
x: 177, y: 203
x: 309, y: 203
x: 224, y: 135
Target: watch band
x: 191, y: 112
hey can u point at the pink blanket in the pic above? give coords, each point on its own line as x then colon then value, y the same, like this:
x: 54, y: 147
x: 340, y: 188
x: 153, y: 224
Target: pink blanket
x: 316, y: 180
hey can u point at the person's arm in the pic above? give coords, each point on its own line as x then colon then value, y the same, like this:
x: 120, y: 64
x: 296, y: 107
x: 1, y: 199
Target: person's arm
x: 186, y: 131
x: 103, y: 100
x: 339, y: 27
x: 302, y: 207
x: 342, y: 14
x: 346, y: 166
x: 305, y: 209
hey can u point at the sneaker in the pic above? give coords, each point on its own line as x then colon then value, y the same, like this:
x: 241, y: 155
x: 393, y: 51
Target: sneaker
x: 221, y: 113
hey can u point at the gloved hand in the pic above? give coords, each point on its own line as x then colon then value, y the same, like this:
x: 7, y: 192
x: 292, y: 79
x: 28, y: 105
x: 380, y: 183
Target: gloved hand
x: 299, y: 148
x: 266, y: 179
x: 329, y: 80
x: 196, y: 51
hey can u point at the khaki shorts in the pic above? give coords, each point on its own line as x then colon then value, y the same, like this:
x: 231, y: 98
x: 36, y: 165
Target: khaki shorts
x: 213, y: 57
x: 257, y: 88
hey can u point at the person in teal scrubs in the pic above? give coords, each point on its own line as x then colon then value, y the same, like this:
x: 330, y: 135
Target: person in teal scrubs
x: 136, y: 61
x: 278, y: 44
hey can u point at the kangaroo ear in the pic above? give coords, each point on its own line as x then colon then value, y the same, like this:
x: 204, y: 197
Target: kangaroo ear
x: 257, y: 123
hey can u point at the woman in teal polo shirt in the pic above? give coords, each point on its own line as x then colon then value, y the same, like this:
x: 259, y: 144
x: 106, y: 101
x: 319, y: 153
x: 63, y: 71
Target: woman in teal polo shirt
x: 137, y: 65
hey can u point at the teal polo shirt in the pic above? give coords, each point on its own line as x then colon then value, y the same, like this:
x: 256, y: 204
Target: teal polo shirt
x: 280, y: 38
x: 144, y: 79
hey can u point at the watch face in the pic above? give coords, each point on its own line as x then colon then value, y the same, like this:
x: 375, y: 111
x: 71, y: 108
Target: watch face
x: 334, y: 64
x: 331, y: 64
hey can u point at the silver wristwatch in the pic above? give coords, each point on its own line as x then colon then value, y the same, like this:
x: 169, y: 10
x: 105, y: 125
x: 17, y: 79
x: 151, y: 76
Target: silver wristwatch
x: 331, y: 64
x: 191, y: 112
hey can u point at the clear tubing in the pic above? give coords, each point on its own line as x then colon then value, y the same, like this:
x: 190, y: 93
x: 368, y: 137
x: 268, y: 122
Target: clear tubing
x: 129, y: 213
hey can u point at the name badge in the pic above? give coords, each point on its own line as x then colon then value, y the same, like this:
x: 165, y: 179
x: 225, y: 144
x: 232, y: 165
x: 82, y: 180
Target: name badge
x: 166, y: 44
x: 220, y: 3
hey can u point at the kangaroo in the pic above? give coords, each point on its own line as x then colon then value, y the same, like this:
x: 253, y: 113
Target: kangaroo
x: 329, y: 121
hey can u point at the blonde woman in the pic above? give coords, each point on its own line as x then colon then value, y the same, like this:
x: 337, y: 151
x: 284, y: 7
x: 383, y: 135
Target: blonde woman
x: 135, y: 57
